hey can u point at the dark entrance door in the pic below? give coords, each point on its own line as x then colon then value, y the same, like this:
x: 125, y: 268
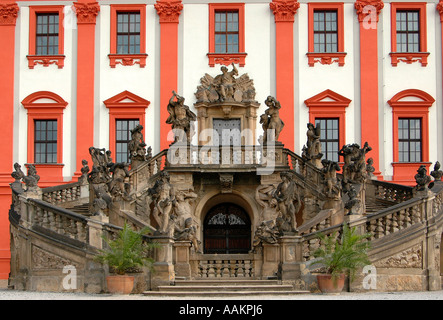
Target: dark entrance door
x: 227, y: 229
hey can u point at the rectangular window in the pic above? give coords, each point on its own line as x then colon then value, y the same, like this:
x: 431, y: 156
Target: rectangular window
x: 409, y: 140
x: 128, y: 32
x: 408, y: 31
x: 226, y: 32
x: 123, y: 129
x: 45, y: 141
x: 47, y: 34
x: 325, y: 31
x: 329, y: 137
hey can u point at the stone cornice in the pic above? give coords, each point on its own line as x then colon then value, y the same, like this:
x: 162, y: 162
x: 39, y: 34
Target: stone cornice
x: 284, y: 11
x: 169, y: 11
x: 86, y: 12
x: 8, y: 14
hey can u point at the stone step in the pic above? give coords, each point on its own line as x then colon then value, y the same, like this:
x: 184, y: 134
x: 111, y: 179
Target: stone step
x: 222, y: 282
x: 222, y: 293
x: 200, y: 288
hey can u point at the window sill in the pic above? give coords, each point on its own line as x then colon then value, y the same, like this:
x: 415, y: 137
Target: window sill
x: 409, y: 57
x: 227, y: 58
x: 326, y: 58
x: 127, y: 59
x: 46, y: 61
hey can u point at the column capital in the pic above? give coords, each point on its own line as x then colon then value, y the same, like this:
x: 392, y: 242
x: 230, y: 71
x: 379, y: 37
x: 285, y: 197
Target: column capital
x: 368, y: 9
x: 284, y: 11
x: 8, y: 14
x: 169, y: 11
x: 440, y: 9
x: 86, y: 12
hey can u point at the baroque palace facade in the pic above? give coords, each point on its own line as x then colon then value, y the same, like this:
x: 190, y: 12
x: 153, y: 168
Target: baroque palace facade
x: 82, y: 74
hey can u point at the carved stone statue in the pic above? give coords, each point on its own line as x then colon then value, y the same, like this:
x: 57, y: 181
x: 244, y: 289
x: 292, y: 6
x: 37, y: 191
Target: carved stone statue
x: 225, y: 87
x: 288, y: 199
x: 137, y: 144
x: 355, y: 168
x: 312, y: 149
x: 85, y: 171
x: 185, y: 226
x: 31, y: 180
x: 264, y: 195
x: 118, y: 188
x: 437, y: 173
x: 270, y: 120
x: 162, y: 195
x: 422, y: 179
x: 267, y: 232
x: 370, y: 168
x: 332, y: 188
x: 181, y: 118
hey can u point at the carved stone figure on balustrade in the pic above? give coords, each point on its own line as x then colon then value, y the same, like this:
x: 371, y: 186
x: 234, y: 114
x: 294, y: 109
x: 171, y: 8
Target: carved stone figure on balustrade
x: 437, y: 173
x: 32, y: 178
x: 83, y: 179
x: 225, y: 87
x: 162, y: 194
x: 355, y: 168
x: 267, y: 232
x: 102, y: 161
x: 181, y: 118
x: 312, y: 150
x: 137, y: 145
x: 289, y: 202
x: 422, y: 179
x: 331, y: 185
x: 271, y: 123
x: 185, y: 224
x: 353, y: 205
x: 264, y: 195
x: 119, y: 188
x: 370, y: 168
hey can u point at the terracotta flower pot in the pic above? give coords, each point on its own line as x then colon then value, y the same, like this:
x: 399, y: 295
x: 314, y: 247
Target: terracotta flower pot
x: 327, y: 285
x: 120, y: 284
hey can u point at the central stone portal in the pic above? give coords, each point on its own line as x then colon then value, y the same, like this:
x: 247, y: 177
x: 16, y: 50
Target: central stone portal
x: 227, y: 230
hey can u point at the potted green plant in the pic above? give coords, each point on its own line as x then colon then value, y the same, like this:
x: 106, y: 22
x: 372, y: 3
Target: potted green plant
x: 126, y: 252
x: 341, y: 255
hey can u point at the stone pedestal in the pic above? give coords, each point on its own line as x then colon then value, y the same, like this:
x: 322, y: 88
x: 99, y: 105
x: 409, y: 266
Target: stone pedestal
x: 291, y: 257
x: 271, y: 260
x: 95, y: 226
x: 163, y: 267
x: 181, y: 259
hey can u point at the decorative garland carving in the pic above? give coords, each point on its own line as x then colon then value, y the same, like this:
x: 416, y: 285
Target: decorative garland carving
x: 8, y: 14
x: 284, y: 10
x: 409, y: 258
x: 86, y: 12
x: 168, y: 11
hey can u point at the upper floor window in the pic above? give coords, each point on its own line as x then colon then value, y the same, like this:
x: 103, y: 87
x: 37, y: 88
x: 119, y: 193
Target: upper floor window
x: 226, y: 34
x: 128, y: 35
x: 408, y: 31
x: 128, y: 32
x: 325, y: 31
x: 226, y: 31
x: 326, y: 34
x: 47, y: 34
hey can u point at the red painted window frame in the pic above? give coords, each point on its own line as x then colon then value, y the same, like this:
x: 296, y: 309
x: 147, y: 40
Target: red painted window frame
x: 405, y: 171
x: 119, y: 109
x: 326, y: 57
x: 409, y: 57
x: 45, y: 60
x: 227, y: 58
x: 49, y: 172
x: 334, y: 107
x: 127, y: 59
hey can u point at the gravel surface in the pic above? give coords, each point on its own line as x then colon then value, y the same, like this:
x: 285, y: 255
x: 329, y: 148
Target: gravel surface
x: 6, y: 294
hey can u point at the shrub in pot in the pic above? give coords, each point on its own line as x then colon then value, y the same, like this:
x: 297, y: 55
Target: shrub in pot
x: 128, y: 251
x: 341, y: 255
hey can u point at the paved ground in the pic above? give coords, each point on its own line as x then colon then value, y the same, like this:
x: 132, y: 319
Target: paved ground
x: 6, y: 294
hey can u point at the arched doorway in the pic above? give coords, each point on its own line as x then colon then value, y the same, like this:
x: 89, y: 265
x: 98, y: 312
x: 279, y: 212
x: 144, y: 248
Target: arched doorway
x: 227, y: 229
